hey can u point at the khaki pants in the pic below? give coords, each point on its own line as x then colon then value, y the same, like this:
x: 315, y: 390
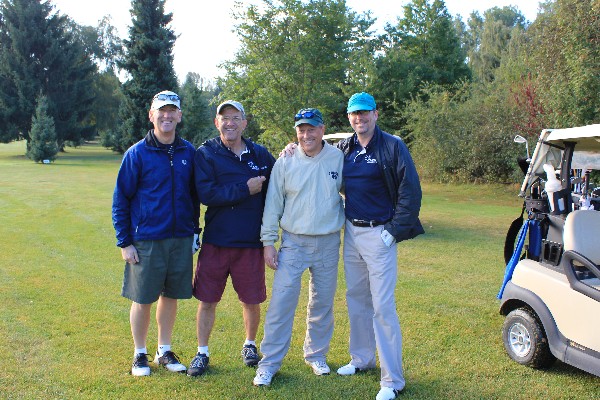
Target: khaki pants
x: 320, y: 255
x: 371, y: 274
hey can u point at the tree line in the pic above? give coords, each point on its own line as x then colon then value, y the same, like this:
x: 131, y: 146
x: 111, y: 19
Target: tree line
x: 456, y: 91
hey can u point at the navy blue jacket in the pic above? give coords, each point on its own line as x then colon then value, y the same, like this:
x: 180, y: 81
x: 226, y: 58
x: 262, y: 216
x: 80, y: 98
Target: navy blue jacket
x: 233, y: 217
x: 401, y: 180
x: 155, y: 198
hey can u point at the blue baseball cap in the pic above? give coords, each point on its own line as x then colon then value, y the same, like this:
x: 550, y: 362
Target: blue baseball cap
x: 310, y: 116
x: 361, y: 102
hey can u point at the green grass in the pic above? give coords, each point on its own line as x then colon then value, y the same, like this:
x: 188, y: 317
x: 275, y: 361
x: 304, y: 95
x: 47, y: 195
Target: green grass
x: 65, y: 328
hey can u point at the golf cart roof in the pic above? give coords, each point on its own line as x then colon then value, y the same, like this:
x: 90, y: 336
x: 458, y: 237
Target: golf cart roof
x: 549, y: 150
x: 334, y: 137
x: 586, y: 137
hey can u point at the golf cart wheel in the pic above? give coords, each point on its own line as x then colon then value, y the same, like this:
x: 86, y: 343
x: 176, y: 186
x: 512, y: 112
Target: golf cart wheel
x: 524, y: 339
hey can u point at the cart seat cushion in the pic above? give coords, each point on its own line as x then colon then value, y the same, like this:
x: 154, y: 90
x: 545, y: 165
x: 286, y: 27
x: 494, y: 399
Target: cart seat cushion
x: 582, y: 233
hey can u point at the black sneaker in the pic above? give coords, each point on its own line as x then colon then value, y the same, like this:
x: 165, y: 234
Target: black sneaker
x: 250, y: 355
x: 170, y: 361
x: 140, y: 365
x: 199, y: 365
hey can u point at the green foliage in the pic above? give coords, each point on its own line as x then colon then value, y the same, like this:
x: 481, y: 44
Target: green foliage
x: 42, y: 138
x: 102, y: 43
x: 109, y: 99
x: 40, y: 52
x: 488, y: 39
x: 294, y: 54
x: 424, y: 48
x: 565, y: 56
x: 197, y: 123
x: 458, y: 134
x: 149, y: 62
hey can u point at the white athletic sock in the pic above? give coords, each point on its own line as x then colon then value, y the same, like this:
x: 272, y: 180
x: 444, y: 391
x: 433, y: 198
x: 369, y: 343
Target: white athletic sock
x: 162, y: 348
x: 252, y: 342
x: 203, y: 350
x: 140, y: 351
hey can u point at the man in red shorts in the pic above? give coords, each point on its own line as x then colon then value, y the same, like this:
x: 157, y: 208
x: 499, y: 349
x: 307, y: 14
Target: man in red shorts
x: 231, y: 174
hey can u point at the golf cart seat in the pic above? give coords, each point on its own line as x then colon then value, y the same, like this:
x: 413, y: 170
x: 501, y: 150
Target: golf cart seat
x: 581, y: 255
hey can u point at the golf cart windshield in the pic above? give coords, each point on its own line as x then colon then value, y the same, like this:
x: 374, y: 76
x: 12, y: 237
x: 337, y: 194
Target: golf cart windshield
x: 550, y: 150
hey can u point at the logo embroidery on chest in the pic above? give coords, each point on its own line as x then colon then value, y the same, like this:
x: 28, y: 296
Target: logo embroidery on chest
x: 253, y: 166
x: 184, y: 162
x: 334, y: 174
x: 370, y: 160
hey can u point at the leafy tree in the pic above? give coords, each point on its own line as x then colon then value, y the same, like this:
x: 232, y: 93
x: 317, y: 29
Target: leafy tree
x: 489, y: 38
x: 564, y: 54
x: 424, y: 47
x: 42, y: 137
x: 293, y: 54
x: 149, y: 62
x: 39, y: 53
x: 197, y: 124
x: 109, y: 99
x: 102, y: 43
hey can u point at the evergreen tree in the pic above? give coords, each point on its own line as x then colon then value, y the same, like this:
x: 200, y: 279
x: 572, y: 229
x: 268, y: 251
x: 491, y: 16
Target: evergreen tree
x: 42, y: 137
x: 149, y: 62
x: 40, y: 54
x: 197, y: 124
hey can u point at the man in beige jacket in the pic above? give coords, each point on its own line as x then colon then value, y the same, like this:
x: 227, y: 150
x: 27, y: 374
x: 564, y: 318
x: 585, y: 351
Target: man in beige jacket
x: 303, y: 199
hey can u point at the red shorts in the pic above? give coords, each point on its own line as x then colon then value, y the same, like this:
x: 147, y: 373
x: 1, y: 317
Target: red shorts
x: 245, y: 265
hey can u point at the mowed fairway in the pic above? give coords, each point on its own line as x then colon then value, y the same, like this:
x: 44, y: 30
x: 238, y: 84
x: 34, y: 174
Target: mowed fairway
x: 65, y: 329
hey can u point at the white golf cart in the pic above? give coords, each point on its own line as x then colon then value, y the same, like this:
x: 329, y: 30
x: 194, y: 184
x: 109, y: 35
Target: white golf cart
x: 550, y: 295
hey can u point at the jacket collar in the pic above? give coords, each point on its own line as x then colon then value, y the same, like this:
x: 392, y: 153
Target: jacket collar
x: 152, y: 141
x: 372, y: 143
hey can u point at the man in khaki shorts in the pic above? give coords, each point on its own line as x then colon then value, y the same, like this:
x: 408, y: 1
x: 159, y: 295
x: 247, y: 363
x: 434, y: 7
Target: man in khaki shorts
x: 155, y: 214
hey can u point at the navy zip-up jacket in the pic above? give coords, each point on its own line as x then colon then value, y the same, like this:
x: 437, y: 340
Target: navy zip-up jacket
x: 233, y: 217
x: 401, y: 180
x: 155, y: 197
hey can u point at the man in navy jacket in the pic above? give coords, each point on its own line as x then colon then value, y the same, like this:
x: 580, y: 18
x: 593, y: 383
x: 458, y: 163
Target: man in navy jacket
x: 155, y: 214
x: 383, y: 200
x: 231, y: 176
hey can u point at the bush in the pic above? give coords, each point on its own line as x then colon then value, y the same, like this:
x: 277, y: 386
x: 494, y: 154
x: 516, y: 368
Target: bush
x: 457, y: 135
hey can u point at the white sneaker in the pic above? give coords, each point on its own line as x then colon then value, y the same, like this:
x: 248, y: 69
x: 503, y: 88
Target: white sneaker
x: 347, y: 370
x: 387, y: 393
x: 262, y: 378
x: 319, y: 367
x: 170, y: 361
x: 140, y: 366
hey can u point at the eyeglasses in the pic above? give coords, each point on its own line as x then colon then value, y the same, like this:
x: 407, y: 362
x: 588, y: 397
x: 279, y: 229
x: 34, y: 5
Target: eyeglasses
x: 304, y: 114
x: 164, y: 96
x: 237, y: 120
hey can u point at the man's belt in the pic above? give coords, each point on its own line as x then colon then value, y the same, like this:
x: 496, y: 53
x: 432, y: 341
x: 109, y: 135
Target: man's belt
x: 365, y: 224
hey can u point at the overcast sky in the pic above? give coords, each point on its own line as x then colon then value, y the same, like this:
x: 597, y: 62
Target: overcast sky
x: 205, y: 28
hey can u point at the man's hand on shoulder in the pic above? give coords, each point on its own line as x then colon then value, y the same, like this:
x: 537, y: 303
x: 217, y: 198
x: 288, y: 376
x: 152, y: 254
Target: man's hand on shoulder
x: 288, y: 151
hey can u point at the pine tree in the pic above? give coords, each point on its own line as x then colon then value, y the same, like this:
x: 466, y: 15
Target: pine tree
x: 149, y: 62
x: 40, y: 54
x: 42, y: 137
